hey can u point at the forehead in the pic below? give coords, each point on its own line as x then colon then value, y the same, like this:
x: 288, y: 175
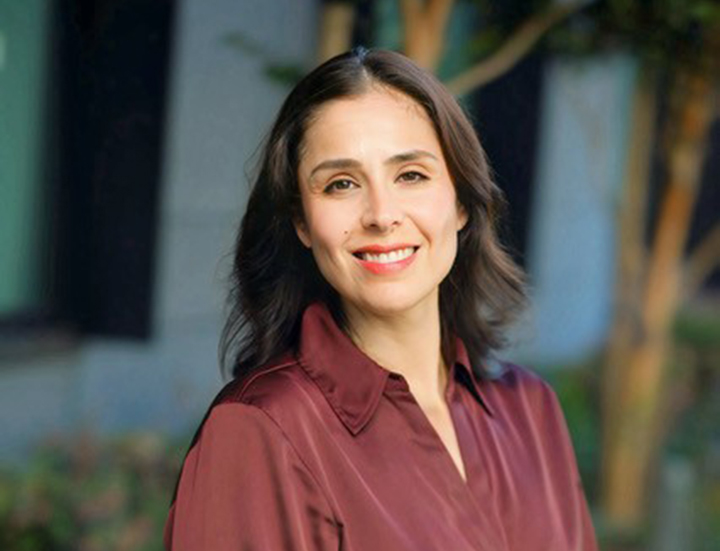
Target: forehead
x: 379, y: 118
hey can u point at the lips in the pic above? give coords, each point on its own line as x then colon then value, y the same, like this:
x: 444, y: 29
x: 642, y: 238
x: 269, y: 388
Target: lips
x: 380, y: 259
x: 386, y: 253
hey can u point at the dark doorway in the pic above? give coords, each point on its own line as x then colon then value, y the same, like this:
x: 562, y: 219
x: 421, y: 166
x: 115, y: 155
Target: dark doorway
x: 112, y: 59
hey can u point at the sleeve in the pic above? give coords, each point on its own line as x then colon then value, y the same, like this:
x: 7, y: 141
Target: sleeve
x: 244, y: 487
x: 571, y: 495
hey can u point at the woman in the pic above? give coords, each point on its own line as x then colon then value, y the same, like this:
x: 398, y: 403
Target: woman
x: 366, y: 411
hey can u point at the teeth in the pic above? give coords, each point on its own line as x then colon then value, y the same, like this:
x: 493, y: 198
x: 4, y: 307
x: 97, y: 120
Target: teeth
x: 386, y: 258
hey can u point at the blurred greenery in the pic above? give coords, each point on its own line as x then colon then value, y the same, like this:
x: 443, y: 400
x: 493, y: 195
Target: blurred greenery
x: 695, y: 433
x: 82, y: 495
x: 664, y: 33
x: 577, y: 387
x: 282, y: 72
x: 692, y: 430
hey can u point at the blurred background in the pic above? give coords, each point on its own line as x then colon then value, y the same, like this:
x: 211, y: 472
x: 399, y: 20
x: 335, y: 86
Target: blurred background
x: 128, y: 129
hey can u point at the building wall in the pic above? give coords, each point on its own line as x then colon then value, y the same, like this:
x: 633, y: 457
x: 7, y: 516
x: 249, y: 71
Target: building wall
x: 221, y: 104
x: 585, y: 116
x: 23, y: 76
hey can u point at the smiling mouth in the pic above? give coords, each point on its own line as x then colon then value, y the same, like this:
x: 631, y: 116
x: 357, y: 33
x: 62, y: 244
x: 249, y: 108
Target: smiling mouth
x: 396, y: 255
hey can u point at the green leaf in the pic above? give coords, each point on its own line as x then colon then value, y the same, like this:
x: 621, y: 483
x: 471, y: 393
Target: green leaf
x: 287, y: 74
x: 242, y: 42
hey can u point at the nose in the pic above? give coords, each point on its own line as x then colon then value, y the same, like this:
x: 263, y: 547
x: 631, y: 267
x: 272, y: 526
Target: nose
x: 383, y: 210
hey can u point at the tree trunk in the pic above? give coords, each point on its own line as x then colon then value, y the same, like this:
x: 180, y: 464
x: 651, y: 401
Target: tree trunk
x: 336, y: 28
x: 626, y: 330
x: 637, y: 357
x: 425, y: 23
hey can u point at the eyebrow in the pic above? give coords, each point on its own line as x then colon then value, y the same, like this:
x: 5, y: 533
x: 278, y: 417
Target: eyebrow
x: 404, y: 157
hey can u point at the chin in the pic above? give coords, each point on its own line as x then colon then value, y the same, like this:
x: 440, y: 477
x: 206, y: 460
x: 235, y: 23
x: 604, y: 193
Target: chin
x: 389, y: 303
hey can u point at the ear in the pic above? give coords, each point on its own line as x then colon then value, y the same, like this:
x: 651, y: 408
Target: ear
x: 302, y: 232
x: 462, y: 216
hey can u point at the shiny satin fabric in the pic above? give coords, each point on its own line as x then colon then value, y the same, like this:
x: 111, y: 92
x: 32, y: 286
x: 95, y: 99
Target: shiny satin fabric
x: 325, y: 449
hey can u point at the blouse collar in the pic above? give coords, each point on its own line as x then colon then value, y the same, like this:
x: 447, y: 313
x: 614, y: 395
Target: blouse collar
x: 354, y: 386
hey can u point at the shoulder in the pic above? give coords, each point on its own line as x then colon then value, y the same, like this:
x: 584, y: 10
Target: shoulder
x: 261, y: 384
x: 523, y: 400
x: 520, y: 378
x: 273, y: 397
x: 253, y: 414
x: 518, y: 387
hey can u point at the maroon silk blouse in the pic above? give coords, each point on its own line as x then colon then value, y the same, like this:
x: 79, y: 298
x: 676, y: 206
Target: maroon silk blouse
x: 328, y: 450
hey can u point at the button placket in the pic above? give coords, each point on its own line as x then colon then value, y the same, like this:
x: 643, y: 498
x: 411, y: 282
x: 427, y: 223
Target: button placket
x: 482, y: 517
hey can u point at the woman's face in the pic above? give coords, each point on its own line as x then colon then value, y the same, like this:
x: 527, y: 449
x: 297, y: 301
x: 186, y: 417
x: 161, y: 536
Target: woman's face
x: 380, y: 210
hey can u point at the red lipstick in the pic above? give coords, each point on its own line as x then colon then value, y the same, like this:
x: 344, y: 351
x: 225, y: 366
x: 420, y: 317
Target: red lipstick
x: 386, y: 266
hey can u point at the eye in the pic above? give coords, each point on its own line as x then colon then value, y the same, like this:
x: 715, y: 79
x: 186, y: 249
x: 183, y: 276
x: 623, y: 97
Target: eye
x: 412, y: 177
x: 339, y: 185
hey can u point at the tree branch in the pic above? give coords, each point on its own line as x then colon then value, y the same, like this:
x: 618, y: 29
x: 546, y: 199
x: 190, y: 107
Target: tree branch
x: 438, y: 11
x: 411, y: 11
x: 514, y: 48
x: 335, y: 32
x: 702, y: 261
x: 425, y: 23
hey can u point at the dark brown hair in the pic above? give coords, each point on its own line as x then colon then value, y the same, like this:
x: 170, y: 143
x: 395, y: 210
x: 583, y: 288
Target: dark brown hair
x: 274, y: 277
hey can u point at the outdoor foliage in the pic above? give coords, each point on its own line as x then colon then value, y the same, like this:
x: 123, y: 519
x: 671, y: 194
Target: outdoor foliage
x: 691, y: 413
x: 79, y: 495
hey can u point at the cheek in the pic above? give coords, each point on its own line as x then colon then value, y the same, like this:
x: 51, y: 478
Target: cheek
x: 328, y: 229
x: 440, y: 215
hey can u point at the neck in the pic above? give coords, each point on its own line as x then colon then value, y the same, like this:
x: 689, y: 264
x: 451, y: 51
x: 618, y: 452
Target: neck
x: 408, y: 343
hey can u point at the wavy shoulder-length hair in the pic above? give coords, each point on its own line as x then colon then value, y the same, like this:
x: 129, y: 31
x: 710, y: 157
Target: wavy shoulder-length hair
x: 274, y: 278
